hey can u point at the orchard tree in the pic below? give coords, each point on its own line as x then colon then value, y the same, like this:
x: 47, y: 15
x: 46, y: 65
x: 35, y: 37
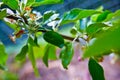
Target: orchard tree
x: 98, y: 36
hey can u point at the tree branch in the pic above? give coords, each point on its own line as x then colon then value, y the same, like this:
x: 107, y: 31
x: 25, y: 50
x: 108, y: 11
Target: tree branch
x: 25, y: 20
x: 69, y: 38
x: 16, y: 18
x: 64, y: 36
x: 12, y: 17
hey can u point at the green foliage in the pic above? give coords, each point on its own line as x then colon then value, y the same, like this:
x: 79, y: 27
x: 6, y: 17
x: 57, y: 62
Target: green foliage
x: 3, y: 57
x: 3, y: 13
x: 92, y: 29
x: 22, y: 55
x: 36, y: 41
x: 77, y: 26
x: 35, y: 3
x: 49, y: 16
x: 95, y: 70
x: 12, y: 26
x: 45, y: 2
x: 13, y: 4
x: 77, y: 14
x: 45, y: 57
x: 103, y: 16
x: 32, y: 59
x: 112, y: 16
x: 32, y: 41
x: 54, y: 38
x: 67, y: 54
x: 30, y: 2
x: 97, y: 29
x: 50, y: 53
x: 105, y: 42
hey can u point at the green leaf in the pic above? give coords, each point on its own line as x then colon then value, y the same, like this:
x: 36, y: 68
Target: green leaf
x: 11, y: 25
x: 13, y: 4
x: 77, y: 14
x: 54, y: 38
x: 109, y: 17
x: 104, y: 42
x: 116, y: 14
x: 94, y: 17
x: 32, y: 59
x: 78, y: 26
x: 30, y: 3
x: 116, y: 18
x: 116, y: 21
x: 100, y: 8
x: 95, y: 70
x: 22, y: 55
x: 48, y: 16
x: 45, y: 57
x: 3, y: 55
x: 36, y: 41
x: 33, y: 42
x: 3, y: 14
x: 50, y: 53
x: 94, y: 28
x: 103, y: 16
x: 67, y: 54
x: 73, y: 31
x: 113, y: 16
x: 46, y: 2
x: 39, y: 51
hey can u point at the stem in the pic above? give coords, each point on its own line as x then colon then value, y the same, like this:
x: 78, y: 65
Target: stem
x: 75, y: 38
x: 64, y: 36
x: 16, y: 18
x: 69, y: 38
x: 12, y: 17
x: 24, y: 18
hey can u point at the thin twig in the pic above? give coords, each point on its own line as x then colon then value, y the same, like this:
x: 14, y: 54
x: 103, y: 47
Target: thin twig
x: 64, y: 36
x: 69, y: 38
x: 16, y: 18
x: 12, y: 17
